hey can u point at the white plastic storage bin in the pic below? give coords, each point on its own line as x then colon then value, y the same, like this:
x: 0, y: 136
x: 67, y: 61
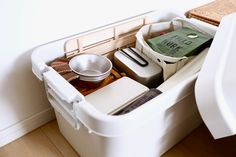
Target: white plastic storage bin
x: 156, y: 126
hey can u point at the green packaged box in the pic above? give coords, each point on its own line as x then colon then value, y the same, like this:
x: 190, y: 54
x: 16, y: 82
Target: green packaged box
x: 181, y: 42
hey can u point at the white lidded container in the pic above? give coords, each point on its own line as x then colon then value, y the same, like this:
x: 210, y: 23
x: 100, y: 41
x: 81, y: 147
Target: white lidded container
x: 156, y: 126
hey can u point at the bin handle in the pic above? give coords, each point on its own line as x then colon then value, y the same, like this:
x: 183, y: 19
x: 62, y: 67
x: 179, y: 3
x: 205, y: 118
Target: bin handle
x: 61, y: 87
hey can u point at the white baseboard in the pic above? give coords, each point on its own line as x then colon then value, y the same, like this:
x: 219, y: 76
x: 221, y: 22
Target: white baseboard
x: 23, y: 127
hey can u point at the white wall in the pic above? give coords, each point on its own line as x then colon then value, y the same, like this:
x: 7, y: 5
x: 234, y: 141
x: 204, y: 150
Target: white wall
x: 27, y: 23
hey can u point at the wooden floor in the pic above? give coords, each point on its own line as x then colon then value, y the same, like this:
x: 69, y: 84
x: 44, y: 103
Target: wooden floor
x: 47, y: 141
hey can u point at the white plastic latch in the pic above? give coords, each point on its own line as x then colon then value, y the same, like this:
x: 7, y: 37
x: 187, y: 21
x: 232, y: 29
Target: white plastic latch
x: 63, y: 97
x: 61, y: 87
x: 78, y: 124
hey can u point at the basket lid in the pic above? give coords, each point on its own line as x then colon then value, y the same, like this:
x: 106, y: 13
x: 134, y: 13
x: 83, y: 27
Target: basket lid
x: 215, y: 88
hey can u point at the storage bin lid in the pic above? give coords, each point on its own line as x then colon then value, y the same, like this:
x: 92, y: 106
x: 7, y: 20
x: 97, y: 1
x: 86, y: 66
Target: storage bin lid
x: 215, y: 88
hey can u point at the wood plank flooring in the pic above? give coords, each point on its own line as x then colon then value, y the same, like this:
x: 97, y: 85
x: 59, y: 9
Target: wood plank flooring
x: 200, y: 143
x: 47, y: 141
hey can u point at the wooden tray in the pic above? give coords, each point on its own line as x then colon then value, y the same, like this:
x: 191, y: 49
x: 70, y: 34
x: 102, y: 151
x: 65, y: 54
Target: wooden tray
x: 213, y: 12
